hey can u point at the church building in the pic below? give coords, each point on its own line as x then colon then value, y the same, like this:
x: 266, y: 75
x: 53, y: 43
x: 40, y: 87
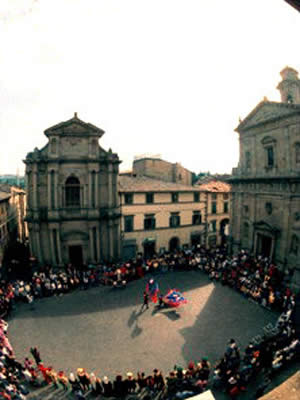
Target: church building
x: 266, y: 184
x: 73, y: 210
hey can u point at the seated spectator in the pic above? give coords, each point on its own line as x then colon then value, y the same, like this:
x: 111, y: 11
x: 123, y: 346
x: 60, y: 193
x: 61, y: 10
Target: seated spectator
x: 107, y: 387
x: 130, y: 383
x: 119, y: 387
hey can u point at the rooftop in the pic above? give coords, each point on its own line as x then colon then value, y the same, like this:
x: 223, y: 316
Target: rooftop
x: 215, y: 186
x: 4, y: 196
x: 144, y: 184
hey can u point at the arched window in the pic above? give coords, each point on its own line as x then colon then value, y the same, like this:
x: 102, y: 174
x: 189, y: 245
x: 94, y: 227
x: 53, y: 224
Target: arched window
x: 72, y: 191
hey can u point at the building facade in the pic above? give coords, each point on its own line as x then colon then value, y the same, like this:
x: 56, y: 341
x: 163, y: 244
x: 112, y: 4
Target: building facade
x: 266, y: 183
x: 12, y: 216
x: 73, y: 210
x: 157, y: 168
x: 4, y: 222
x: 159, y: 215
x: 218, y: 204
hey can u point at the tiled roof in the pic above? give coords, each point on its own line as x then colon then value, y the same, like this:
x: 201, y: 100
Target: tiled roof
x: 215, y: 186
x: 145, y: 184
x: 4, y: 196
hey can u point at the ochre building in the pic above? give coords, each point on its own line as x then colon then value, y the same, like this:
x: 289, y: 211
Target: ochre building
x: 218, y: 201
x: 159, y: 215
x: 73, y: 211
x: 266, y: 183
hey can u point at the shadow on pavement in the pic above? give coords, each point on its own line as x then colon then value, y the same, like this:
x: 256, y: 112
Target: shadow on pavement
x: 103, y: 298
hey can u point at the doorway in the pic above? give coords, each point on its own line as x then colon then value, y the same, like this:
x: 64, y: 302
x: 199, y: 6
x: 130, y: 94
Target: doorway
x: 264, y: 245
x: 149, y: 249
x: 75, y: 255
x: 174, y: 244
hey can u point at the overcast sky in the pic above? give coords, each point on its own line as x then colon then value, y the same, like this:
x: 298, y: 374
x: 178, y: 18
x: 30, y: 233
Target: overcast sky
x: 169, y: 77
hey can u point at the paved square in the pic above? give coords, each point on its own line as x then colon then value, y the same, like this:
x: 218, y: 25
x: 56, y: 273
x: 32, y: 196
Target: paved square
x: 102, y: 330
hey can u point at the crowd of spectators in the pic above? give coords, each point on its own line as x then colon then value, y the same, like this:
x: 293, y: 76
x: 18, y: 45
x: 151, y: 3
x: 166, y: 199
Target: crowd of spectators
x: 255, y: 278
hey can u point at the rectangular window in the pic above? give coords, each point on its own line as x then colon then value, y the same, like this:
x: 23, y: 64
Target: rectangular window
x: 214, y: 196
x: 270, y: 156
x: 149, y: 222
x: 214, y: 207
x: 225, y: 196
x: 225, y: 205
x: 128, y: 198
x: 149, y: 198
x: 246, y: 209
x: 196, y: 218
x: 196, y: 197
x: 128, y: 223
x: 175, y: 197
x: 174, y: 220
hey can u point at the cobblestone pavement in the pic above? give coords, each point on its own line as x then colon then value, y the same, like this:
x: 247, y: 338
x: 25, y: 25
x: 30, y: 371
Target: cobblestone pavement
x: 102, y: 329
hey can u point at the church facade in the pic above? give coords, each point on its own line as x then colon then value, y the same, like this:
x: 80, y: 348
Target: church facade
x: 266, y: 184
x: 73, y: 209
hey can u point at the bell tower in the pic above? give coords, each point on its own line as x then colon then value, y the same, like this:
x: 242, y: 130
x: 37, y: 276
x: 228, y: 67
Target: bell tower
x: 289, y: 87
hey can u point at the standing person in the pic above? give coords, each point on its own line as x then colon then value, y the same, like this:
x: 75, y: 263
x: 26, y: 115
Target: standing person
x: 146, y: 301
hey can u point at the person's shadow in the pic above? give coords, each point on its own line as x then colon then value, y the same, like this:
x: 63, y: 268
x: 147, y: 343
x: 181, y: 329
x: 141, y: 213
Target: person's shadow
x: 136, y: 331
x: 172, y: 315
x: 134, y: 316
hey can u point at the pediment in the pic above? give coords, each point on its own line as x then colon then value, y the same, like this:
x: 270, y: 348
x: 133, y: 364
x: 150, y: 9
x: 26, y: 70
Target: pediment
x: 74, y: 126
x: 265, y: 226
x: 75, y: 235
x: 267, y: 111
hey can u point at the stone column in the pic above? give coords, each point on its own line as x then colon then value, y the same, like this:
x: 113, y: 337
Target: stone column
x: 38, y: 244
x: 110, y: 199
x: 98, y: 243
x: 91, y: 241
x: 58, y: 245
x: 49, y: 190
x: 35, y: 177
x: 90, y: 190
x: 52, y: 246
x: 56, y: 189
x: 111, y: 239
x: 97, y: 190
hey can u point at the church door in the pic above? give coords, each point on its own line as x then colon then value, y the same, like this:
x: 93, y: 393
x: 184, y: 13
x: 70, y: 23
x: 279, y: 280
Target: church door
x: 75, y: 255
x: 264, y: 245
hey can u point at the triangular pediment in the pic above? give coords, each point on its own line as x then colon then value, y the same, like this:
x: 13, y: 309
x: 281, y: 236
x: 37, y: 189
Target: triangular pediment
x: 267, y: 111
x: 265, y: 226
x: 74, y: 126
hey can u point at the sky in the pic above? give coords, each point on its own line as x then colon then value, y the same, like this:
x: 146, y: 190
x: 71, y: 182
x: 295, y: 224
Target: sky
x: 167, y: 77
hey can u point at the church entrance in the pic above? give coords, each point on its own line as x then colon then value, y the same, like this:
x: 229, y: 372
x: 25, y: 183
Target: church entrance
x: 75, y: 255
x: 264, y: 245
